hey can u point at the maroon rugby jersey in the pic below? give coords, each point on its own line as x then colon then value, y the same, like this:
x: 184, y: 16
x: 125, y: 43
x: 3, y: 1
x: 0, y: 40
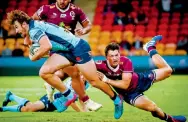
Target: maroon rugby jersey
x: 116, y: 73
x: 68, y: 17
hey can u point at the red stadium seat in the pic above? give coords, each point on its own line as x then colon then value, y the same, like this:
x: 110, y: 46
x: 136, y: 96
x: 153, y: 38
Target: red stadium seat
x: 151, y: 27
x: 176, y: 15
x: 153, y: 21
x: 150, y: 33
x: 109, y: 15
x: 174, y: 26
x: 146, y: 3
x: 184, y: 32
x: 101, y: 2
x: 164, y: 20
x: 99, y: 9
x: 175, y: 21
x: 22, y: 4
x: 184, y: 26
x: 117, y: 28
x: 163, y: 27
x: 129, y: 27
x: 173, y: 33
x: 172, y: 39
x: 107, y: 28
x: 140, y: 28
x: 165, y: 14
x: 140, y: 33
x: 162, y: 32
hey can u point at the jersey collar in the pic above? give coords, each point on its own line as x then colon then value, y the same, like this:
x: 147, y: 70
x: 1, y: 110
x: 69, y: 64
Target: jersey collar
x: 62, y: 9
x: 111, y: 68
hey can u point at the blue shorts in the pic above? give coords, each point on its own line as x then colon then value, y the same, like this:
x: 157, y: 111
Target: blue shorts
x: 49, y: 107
x: 79, y: 55
x: 145, y: 81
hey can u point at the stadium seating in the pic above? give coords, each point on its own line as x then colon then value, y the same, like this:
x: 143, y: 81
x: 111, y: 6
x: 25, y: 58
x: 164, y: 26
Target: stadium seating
x: 170, y: 25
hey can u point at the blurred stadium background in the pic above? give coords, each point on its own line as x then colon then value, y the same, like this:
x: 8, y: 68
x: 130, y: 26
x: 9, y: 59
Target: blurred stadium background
x: 130, y: 23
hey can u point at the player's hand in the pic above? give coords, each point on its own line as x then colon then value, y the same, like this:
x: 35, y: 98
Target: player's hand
x: 102, y: 77
x: 80, y: 31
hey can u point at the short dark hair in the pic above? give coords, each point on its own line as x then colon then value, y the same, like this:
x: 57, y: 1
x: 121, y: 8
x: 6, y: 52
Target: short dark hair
x: 112, y: 46
x: 17, y: 15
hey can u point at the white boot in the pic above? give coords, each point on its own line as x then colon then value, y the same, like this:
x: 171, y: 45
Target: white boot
x: 50, y: 91
x: 92, y: 106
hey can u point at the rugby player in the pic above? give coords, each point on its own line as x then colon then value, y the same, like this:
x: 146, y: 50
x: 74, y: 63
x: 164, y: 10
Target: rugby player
x: 57, y: 39
x: 65, y: 14
x: 118, y: 72
x: 42, y: 105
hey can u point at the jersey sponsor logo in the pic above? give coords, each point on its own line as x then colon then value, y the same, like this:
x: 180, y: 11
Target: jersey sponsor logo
x: 63, y: 15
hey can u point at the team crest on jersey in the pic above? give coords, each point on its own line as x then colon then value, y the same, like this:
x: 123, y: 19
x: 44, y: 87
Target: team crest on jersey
x: 98, y: 62
x: 72, y: 14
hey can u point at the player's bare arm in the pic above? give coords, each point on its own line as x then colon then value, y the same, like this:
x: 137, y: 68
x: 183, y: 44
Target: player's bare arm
x: 86, y: 28
x: 123, y: 84
x: 45, y: 47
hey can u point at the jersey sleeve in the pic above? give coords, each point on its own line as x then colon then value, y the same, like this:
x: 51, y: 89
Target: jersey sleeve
x: 81, y: 15
x: 99, y: 65
x: 42, y: 12
x: 127, y: 66
x: 36, y: 34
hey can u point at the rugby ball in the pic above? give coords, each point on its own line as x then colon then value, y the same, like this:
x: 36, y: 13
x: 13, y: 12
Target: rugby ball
x: 34, y: 48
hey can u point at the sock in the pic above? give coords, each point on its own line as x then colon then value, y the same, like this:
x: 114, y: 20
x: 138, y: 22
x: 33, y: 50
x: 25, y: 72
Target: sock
x: 14, y: 108
x: 114, y: 97
x: 117, y: 99
x: 19, y: 100
x: 68, y: 94
x: 156, y: 115
x: 152, y: 52
x: 151, y: 48
x: 85, y: 98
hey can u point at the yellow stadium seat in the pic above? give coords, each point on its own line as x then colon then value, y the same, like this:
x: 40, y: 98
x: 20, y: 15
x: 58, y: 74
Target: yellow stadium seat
x: 11, y: 47
x: 20, y: 40
x: 93, y: 40
x: 101, y: 49
x: 146, y: 39
x: 143, y: 52
x: 105, y: 34
x: 169, y: 52
x: 94, y: 34
x: 180, y: 52
x: 104, y: 40
x: 116, y: 36
x: 160, y: 51
x: 160, y: 46
x: 124, y: 52
x: 26, y: 52
x: 96, y: 28
x: 128, y: 33
x: 10, y: 41
x: 171, y: 46
x: 1, y: 41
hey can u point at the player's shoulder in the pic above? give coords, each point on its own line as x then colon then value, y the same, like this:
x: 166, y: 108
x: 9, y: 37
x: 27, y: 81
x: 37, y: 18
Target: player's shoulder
x: 124, y: 59
x: 74, y: 7
x: 100, y: 62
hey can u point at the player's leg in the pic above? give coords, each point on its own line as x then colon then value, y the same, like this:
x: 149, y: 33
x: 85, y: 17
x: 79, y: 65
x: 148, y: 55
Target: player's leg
x: 47, y: 72
x: 12, y: 97
x: 13, y: 108
x: 146, y: 104
x: 33, y: 107
x: 91, y: 75
x: 75, y: 107
x: 164, y: 70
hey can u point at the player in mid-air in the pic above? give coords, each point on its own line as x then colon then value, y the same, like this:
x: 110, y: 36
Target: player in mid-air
x: 43, y: 104
x: 118, y: 71
x: 75, y: 50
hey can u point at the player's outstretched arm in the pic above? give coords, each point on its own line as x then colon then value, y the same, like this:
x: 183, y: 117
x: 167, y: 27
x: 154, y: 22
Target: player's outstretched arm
x: 123, y: 84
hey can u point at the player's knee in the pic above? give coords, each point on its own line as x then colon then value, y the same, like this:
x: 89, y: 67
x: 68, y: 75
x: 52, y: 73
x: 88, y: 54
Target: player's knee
x: 44, y: 71
x: 94, y: 83
x: 152, y: 107
x: 25, y: 109
x: 168, y: 71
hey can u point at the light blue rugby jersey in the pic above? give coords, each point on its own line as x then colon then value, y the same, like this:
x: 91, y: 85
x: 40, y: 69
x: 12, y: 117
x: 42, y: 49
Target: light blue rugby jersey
x: 58, y: 36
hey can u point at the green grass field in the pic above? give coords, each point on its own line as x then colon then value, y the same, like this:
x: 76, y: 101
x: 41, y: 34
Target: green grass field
x: 171, y: 95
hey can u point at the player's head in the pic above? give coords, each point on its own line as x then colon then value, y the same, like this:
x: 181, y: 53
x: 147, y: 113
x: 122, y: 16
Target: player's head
x: 19, y: 20
x: 112, y: 53
x: 62, y: 4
